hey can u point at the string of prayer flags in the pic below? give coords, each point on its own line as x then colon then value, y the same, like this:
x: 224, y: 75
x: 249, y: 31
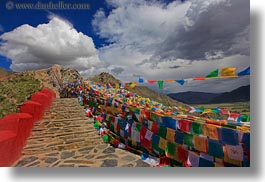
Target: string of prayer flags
x: 212, y: 74
x: 244, y: 72
x: 160, y: 84
x: 228, y: 72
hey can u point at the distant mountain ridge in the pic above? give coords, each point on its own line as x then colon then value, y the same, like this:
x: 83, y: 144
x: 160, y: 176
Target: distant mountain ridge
x: 241, y: 94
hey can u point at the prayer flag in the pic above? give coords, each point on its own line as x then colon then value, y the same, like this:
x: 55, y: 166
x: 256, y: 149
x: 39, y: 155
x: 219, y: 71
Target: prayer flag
x: 199, y: 78
x: 196, y: 128
x: 181, y: 82
x: 162, y: 143
x: 212, y: 74
x: 193, y: 159
x: 201, y: 143
x: 160, y: 84
x: 244, y: 72
x: 182, y: 153
x: 210, y: 131
x: 215, y: 148
x: 151, y: 81
x: 184, y: 125
x: 170, y: 149
x: 234, y: 152
x: 228, y: 72
x: 179, y: 137
x: 141, y: 80
x: 188, y: 139
x: 229, y: 136
x: 132, y: 84
x: 170, y: 135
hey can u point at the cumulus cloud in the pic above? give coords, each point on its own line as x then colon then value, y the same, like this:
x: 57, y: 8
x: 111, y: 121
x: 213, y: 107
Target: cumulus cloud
x: 149, y: 38
x: 56, y: 42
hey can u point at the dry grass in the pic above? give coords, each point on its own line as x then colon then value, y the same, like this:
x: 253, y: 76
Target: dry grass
x: 16, y: 90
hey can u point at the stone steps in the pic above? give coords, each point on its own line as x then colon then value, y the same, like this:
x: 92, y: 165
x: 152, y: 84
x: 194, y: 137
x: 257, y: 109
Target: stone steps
x: 66, y: 138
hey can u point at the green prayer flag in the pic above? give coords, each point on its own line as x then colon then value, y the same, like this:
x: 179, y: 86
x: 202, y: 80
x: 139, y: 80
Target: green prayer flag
x: 196, y: 128
x: 214, y: 73
x: 106, y: 138
x: 245, y: 118
x: 96, y: 125
x: 162, y: 132
x: 138, y: 127
x: 160, y: 84
x: 188, y: 139
x: 171, y: 148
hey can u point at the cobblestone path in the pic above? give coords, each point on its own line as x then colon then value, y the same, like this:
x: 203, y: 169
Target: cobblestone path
x: 66, y: 138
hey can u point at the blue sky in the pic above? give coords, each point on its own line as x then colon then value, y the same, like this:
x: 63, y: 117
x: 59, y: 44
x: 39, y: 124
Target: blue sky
x: 155, y: 39
x: 81, y: 19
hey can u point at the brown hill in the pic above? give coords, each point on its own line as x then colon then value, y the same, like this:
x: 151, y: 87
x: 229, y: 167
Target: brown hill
x: 4, y: 72
x: 104, y: 78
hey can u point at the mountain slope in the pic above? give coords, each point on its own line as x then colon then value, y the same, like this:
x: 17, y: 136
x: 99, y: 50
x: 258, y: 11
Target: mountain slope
x: 4, y: 72
x: 193, y: 97
x: 240, y: 94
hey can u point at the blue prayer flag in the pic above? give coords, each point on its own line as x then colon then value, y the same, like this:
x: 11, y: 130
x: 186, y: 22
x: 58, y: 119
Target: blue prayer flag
x: 229, y: 136
x: 215, y: 148
x: 181, y: 82
x: 141, y: 80
x: 244, y: 72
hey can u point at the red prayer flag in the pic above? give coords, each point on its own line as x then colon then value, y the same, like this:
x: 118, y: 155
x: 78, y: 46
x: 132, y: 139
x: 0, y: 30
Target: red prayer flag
x: 152, y: 81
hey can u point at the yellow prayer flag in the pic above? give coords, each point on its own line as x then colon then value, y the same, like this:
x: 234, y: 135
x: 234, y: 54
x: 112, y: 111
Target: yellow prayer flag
x: 169, y: 81
x: 200, y: 143
x: 162, y: 143
x: 171, y: 135
x: 132, y: 85
x: 210, y: 131
x: 228, y: 72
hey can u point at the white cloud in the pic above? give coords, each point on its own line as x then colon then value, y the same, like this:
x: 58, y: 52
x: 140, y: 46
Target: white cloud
x: 149, y: 38
x: 56, y: 42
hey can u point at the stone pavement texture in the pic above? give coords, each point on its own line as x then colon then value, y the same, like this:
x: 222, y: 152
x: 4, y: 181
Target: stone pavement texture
x: 66, y: 138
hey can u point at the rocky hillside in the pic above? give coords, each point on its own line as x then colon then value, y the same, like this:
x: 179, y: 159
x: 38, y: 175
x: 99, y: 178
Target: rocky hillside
x: 104, y: 78
x: 18, y: 87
